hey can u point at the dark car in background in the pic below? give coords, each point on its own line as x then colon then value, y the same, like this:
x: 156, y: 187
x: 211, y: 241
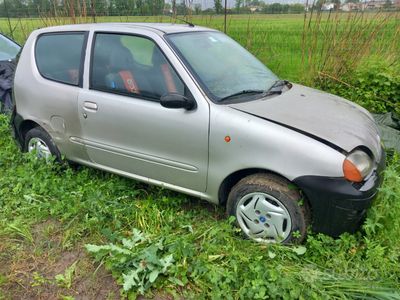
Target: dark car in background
x: 8, y: 53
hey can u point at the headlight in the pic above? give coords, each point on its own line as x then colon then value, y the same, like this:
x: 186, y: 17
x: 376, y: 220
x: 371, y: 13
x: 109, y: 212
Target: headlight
x: 357, y: 166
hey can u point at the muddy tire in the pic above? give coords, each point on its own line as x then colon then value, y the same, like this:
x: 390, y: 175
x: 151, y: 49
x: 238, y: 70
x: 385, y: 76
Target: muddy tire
x: 269, y: 209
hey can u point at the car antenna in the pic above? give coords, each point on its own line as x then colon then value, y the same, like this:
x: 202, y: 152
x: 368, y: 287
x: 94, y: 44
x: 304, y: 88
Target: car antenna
x: 184, y: 21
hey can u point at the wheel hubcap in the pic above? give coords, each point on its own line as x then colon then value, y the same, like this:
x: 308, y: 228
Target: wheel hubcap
x: 263, y: 218
x: 38, y: 146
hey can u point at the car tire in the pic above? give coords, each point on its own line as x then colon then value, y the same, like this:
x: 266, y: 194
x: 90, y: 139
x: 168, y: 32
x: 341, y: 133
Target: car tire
x: 37, y: 139
x: 269, y: 209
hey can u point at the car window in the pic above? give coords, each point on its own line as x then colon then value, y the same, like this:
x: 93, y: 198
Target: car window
x: 8, y: 49
x: 132, y: 65
x: 59, y: 56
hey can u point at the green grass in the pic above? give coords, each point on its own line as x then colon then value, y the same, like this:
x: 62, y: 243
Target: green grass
x: 209, y: 257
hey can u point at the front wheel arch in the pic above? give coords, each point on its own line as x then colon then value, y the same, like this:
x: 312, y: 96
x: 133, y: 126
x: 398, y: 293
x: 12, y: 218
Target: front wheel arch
x: 231, y: 180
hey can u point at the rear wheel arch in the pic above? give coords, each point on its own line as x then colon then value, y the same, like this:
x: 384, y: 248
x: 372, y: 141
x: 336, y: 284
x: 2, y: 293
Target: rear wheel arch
x: 39, y: 140
x: 24, y: 127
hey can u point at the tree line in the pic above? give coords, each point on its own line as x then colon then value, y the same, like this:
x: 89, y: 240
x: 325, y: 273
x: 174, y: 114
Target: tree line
x: 37, y: 8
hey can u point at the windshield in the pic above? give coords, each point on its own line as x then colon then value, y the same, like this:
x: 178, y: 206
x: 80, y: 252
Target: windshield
x: 8, y: 49
x: 221, y: 65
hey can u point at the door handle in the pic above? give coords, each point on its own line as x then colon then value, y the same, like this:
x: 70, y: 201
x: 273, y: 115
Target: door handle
x: 90, y: 105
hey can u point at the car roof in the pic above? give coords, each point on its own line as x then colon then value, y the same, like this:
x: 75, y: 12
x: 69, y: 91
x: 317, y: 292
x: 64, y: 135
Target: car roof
x: 159, y: 28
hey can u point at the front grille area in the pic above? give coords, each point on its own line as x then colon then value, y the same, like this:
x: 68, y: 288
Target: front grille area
x: 358, y: 185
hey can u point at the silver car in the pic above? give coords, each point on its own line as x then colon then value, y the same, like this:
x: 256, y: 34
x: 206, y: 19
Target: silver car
x: 187, y: 108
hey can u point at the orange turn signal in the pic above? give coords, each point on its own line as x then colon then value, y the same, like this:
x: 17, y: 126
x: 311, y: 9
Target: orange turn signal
x: 351, y: 172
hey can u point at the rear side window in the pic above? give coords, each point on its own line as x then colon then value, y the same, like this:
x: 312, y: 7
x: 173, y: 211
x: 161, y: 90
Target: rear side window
x: 59, y: 56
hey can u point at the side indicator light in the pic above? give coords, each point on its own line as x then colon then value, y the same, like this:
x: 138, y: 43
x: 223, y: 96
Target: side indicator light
x: 351, y: 172
x: 227, y: 139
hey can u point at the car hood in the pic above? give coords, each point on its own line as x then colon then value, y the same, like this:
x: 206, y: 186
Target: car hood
x: 328, y: 118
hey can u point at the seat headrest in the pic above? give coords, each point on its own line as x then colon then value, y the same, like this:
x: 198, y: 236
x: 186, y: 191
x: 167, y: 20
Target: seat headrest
x: 121, y: 58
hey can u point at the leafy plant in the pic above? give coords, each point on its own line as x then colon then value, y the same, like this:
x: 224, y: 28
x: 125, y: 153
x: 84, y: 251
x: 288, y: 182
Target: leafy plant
x: 66, y: 297
x: 38, y: 279
x: 20, y: 230
x: 140, y: 260
x: 65, y: 280
x: 375, y: 86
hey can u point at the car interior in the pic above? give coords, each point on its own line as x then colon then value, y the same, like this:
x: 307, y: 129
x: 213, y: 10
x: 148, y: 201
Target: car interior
x: 116, y: 68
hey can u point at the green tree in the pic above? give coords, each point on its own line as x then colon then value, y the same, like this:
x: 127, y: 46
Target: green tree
x: 97, y: 7
x: 39, y: 7
x: 274, y: 8
x: 197, y: 9
x: 174, y: 7
x: 296, y: 8
x: 238, y: 5
x: 388, y: 4
x: 181, y: 8
x: 218, y: 6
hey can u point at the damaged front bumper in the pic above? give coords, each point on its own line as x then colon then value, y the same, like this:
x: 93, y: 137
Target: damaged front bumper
x: 339, y: 205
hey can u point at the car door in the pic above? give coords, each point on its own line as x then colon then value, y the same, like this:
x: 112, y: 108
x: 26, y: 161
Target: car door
x: 8, y: 49
x: 8, y: 53
x: 124, y: 127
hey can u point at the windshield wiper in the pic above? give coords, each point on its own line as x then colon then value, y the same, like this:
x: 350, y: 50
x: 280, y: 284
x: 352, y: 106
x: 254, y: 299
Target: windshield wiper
x: 244, y: 92
x: 263, y: 93
x: 278, y: 85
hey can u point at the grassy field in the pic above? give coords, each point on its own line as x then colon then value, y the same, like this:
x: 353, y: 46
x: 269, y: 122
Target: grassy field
x: 275, y: 39
x: 80, y: 233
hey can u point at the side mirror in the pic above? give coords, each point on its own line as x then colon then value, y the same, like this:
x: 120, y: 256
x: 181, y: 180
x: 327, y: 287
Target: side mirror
x: 174, y: 100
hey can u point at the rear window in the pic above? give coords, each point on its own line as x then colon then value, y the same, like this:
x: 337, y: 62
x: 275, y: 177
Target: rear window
x: 59, y: 56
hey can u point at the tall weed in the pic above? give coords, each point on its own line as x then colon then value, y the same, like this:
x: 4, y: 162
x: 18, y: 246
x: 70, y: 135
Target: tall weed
x: 375, y: 85
x: 335, y: 44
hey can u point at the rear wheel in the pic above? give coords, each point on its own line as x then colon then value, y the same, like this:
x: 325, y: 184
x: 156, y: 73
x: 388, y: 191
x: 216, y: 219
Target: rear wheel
x: 269, y: 209
x: 38, y: 141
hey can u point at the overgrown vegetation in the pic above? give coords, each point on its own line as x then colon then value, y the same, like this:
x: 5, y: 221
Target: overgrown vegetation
x: 54, y: 220
x: 375, y: 86
x: 355, y: 56
x: 152, y: 239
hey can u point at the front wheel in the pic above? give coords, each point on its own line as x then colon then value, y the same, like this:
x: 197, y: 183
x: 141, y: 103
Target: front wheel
x: 269, y: 209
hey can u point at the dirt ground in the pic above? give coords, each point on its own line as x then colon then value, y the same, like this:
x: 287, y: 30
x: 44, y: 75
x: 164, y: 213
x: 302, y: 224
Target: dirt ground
x: 29, y: 265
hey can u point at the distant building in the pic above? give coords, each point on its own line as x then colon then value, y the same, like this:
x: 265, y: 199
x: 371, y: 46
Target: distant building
x: 351, y: 6
x: 255, y: 8
x: 367, y: 5
x: 374, y: 4
x: 328, y: 6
